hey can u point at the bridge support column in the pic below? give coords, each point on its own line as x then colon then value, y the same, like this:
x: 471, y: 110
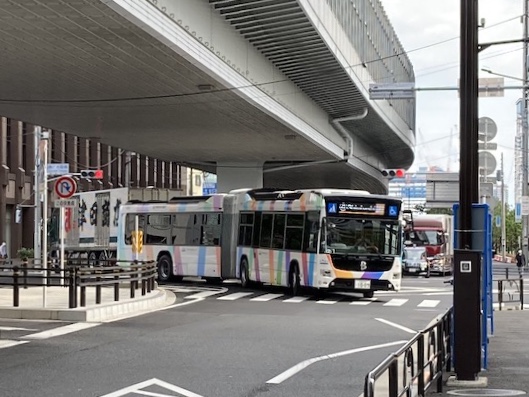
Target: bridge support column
x: 239, y: 175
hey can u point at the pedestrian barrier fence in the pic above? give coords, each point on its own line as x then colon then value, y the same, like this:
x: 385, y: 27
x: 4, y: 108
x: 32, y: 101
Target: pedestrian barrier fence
x: 78, y: 276
x: 417, y: 365
x: 511, y: 291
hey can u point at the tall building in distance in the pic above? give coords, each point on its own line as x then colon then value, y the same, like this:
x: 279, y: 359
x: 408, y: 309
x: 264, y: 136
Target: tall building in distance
x: 411, y: 188
x: 518, y: 152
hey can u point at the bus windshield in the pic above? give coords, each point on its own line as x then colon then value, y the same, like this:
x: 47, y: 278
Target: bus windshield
x: 361, y: 236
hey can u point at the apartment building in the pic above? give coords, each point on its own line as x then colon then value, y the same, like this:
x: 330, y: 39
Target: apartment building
x: 120, y: 167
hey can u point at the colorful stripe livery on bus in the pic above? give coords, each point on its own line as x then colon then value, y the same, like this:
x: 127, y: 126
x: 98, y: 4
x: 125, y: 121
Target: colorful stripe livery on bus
x: 321, y: 238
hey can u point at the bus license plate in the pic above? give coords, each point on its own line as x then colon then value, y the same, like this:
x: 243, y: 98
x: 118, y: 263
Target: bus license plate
x: 362, y: 284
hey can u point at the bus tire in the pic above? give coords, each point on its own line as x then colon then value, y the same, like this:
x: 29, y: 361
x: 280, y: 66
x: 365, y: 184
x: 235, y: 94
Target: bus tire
x: 245, y: 280
x: 165, y: 268
x: 369, y: 294
x: 294, y: 280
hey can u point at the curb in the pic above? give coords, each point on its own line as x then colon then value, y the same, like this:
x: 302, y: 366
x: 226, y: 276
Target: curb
x: 99, y: 313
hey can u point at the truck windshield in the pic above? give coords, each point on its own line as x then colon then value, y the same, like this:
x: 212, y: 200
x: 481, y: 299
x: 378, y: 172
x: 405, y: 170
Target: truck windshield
x: 351, y: 236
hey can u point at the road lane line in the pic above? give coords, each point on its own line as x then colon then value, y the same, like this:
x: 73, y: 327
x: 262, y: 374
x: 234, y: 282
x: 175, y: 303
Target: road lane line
x: 328, y: 301
x: 428, y: 303
x: 266, y: 297
x: 235, y: 296
x: 17, y: 329
x: 61, y: 330
x: 304, y: 364
x: 361, y: 303
x: 10, y: 343
x: 401, y: 327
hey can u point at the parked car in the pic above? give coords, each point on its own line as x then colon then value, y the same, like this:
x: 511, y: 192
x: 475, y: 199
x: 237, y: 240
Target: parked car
x: 415, y: 261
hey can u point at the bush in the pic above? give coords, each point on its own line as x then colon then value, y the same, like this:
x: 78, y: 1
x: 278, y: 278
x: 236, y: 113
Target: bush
x: 25, y: 253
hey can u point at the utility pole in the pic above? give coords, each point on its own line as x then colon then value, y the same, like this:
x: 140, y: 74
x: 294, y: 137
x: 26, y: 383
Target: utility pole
x: 503, y: 242
x: 525, y: 140
x: 37, y: 193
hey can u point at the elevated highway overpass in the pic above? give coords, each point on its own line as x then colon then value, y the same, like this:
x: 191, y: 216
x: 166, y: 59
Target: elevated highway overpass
x: 260, y: 92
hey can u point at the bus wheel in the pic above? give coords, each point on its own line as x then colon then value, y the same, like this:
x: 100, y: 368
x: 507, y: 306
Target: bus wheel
x: 369, y: 294
x: 164, y: 268
x: 245, y: 281
x: 293, y: 280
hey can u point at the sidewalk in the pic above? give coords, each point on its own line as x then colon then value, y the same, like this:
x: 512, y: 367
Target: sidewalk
x: 31, y: 304
x: 508, y: 364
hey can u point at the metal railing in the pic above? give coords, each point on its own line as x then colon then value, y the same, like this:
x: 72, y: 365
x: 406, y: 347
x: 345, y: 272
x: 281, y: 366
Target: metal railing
x: 417, y: 365
x: 78, y: 277
x: 517, y: 288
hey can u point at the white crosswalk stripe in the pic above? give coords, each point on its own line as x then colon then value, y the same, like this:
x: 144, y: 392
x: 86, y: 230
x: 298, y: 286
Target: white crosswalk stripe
x: 296, y: 299
x: 363, y: 302
x: 429, y: 303
x: 328, y: 301
x: 235, y: 296
x: 266, y: 297
x: 396, y: 302
x: 203, y: 294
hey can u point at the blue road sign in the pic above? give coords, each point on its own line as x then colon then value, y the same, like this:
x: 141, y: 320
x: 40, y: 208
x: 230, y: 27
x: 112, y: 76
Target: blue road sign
x: 58, y: 168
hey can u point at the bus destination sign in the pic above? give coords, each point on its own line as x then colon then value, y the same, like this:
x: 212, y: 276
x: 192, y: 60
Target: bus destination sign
x: 362, y: 208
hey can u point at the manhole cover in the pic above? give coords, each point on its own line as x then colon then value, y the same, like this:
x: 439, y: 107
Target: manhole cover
x: 486, y: 392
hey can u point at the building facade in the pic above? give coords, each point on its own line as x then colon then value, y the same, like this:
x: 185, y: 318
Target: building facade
x: 121, y: 168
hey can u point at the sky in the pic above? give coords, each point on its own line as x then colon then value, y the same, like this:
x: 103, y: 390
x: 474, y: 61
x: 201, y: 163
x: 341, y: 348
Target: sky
x: 429, y: 32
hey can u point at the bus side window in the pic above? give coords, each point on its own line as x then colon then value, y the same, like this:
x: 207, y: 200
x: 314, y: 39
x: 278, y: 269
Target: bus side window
x: 312, y: 228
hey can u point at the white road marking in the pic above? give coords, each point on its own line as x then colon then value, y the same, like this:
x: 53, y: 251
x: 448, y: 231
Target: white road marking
x: 296, y: 299
x: 328, y: 301
x: 428, y: 303
x: 401, y: 327
x: 204, y: 294
x: 362, y: 302
x: 266, y: 297
x: 440, y: 293
x: 235, y: 296
x: 61, y: 330
x: 396, y: 302
x: 152, y: 382
x: 304, y: 364
x: 10, y: 343
x: 16, y: 329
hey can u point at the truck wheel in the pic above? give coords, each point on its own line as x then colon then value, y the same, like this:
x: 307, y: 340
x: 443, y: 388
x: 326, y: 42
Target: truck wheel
x: 165, y: 268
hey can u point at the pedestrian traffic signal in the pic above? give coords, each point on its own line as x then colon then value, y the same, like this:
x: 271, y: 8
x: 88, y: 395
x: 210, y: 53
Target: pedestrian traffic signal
x: 92, y: 174
x: 393, y: 173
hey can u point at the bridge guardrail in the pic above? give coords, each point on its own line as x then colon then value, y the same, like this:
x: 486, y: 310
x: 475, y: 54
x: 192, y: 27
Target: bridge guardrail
x: 77, y: 278
x: 416, y: 365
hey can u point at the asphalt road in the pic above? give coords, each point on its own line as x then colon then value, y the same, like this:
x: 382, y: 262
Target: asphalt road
x: 217, y: 346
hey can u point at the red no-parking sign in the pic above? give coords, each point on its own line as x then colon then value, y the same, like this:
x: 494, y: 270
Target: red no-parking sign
x: 65, y: 187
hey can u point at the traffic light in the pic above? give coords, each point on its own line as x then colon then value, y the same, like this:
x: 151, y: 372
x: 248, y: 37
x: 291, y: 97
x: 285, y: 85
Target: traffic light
x: 92, y: 174
x: 393, y: 173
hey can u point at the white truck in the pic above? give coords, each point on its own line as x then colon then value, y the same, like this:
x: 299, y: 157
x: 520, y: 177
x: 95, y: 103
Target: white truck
x: 91, y: 227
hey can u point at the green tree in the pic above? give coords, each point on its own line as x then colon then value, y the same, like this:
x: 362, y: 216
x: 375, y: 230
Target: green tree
x: 513, y: 230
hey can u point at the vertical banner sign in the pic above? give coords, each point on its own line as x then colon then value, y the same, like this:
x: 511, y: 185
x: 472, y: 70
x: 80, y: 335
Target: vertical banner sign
x: 43, y: 148
x: 518, y: 212
x: 498, y: 221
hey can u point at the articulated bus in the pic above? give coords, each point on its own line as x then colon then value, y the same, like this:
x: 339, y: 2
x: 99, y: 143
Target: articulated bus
x: 328, y: 239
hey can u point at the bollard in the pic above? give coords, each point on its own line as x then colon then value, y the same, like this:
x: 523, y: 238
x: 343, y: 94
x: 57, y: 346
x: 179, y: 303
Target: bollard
x: 16, y: 296
x: 521, y: 294
x: 116, y: 288
x: 507, y: 273
x: 98, y: 290
x: 132, y: 286
x: 71, y: 289
x: 83, y: 294
x: 25, y: 273
x: 500, y: 293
